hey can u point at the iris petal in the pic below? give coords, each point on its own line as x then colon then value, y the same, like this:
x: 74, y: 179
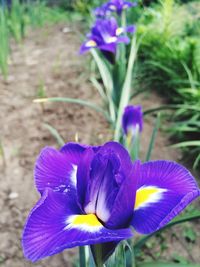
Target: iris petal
x: 122, y: 210
x: 56, y: 223
x: 165, y: 188
x: 53, y: 170
x: 57, y: 169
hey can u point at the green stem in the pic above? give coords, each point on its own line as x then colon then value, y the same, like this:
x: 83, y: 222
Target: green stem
x: 126, y: 90
x: 97, y: 249
x: 82, y: 257
x: 124, y: 19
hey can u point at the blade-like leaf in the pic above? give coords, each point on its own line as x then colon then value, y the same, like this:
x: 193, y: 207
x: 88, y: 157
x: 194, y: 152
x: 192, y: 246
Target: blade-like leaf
x: 126, y: 90
x: 161, y: 264
x: 181, y: 219
x: 55, y: 134
x: 74, y: 101
x: 107, y: 81
x: 153, y: 137
x: 187, y: 143
x: 168, y: 107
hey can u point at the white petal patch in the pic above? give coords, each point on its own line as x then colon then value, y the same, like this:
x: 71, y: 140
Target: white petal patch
x: 101, y: 209
x: 86, y: 225
x: 73, y: 175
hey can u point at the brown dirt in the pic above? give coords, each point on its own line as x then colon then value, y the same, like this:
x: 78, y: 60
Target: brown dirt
x: 48, y: 58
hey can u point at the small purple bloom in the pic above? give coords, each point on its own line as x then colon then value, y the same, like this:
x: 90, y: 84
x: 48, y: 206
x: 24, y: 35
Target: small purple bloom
x: 101, y: 11
x: 92, y: 195
x: 119, y: 5
x: 105, y: 35
x: 132, y: 120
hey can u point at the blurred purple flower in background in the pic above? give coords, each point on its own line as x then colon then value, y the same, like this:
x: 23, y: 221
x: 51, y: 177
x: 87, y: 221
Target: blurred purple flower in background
x: 114, y: 6
x: 105, y: 35
x: 101, y: 11
x: 92, y: 195
x: 132, y: 120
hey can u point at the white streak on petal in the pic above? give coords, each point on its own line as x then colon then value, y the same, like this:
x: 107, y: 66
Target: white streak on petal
x: 73, y: 175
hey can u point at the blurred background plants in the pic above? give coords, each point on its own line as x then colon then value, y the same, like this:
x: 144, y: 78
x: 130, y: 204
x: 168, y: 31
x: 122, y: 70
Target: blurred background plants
x: 15, y: 19
x: 169, y: 62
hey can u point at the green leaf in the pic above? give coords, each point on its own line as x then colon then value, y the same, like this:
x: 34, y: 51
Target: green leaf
x: 74, y: 101
x: 187, y: 143
x: 153, y: 137
x: 171, y: 107
x: 107, y: 81
x: 55, y: 134
x: 190, y: 216
x: 126, y: 90
x: 160, y: 264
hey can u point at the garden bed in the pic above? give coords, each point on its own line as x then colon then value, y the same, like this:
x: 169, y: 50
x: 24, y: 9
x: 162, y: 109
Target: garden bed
x: 48, y: 63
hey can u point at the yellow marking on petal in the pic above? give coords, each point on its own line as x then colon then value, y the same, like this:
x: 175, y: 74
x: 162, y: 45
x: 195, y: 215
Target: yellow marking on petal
x: 91, y: 43
x: 147, y: 195
x: 88, y: 220
x: 119, y: 31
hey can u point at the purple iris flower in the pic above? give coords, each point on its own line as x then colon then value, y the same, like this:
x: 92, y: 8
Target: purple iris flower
x: 92, y: 195
x: 132, y: 120
x: 119, y: 5
x: 105, y: 35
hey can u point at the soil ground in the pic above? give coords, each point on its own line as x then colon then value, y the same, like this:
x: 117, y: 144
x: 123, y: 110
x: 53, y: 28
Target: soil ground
x: 48, y: 60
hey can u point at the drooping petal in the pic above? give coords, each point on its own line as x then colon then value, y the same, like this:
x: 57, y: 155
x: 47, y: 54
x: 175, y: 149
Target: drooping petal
x: 56, y: 224
x: 165, y: 188
x: 86, y: 46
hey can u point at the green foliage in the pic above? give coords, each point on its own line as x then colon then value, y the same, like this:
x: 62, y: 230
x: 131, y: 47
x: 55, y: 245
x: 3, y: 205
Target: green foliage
x: 169, y: 61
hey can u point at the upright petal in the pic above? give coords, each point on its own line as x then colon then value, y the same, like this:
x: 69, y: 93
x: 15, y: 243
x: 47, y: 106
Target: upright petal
x: 56, y: 224
x: 102, y: 185
x: 74, y: 152
x: 83, y: 174
x: 122, y: 211
x: 121, y: 152
x: 165, y: 188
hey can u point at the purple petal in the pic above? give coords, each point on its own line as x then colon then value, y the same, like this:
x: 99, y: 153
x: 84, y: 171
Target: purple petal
x: 53, y: 170
x: 57, y: 169
x: 83, y: 174
x: 128, y: 4
x: 121, y: 152
x: 108, y: 47
x: 132, y: 119
x: 73, y: 152
x: 102, y: 185
x: 165, y: 188
x: 123, y: 39
x: 56, y: 224
x: 122, y: 210
x: 130, y: 29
